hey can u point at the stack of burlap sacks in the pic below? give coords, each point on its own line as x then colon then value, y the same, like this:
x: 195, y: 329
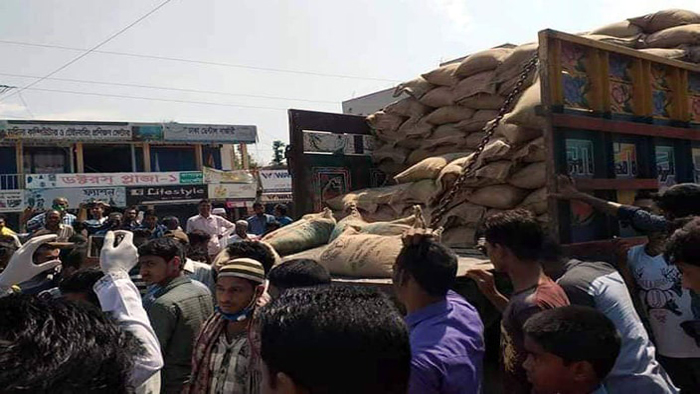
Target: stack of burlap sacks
x: 426, y: 138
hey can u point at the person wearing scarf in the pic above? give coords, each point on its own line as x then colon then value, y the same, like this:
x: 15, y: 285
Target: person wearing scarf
x: 223, y: 361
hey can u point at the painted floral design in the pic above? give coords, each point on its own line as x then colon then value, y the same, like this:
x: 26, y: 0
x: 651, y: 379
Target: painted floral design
x: 572, y: 58
x: 575, y: 90
x: 661, y: 100
x: 694, y: 83
x: 694, y: 104
x: 618, y: 67
x: 621, y: 95
x: 658, y: 77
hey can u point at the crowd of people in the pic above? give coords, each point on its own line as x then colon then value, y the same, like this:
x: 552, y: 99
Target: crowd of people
x: 211, y: 309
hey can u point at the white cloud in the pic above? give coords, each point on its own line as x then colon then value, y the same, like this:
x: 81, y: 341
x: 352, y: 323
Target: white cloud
x: 457, y: 12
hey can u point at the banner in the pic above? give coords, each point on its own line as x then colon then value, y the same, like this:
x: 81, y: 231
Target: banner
x: 65, y: 132
x: 143, y: 195
x: 233, y: 191
x: 276, y: 181
x: 212, y: 175
x: 41, y: 181
x: 225, y: 134
x: 275, y: 197
x: 41, y: 199
x: 12, y: 200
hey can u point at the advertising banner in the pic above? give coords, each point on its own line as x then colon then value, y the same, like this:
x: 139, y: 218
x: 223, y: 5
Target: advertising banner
x: 12, y: 200
x: 146, y: 194
x: 41, y: 181
x: 212, y: 175
x: 40, y: 199
x: 65, y: 132
x: 226, y: 134
x: 276, y: 181
x: 233, y: 191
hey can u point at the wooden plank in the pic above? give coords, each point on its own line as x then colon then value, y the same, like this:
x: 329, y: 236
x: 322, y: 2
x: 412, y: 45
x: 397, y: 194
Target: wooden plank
x: 595, y: 78
x: 682, y: 96
x: 605, y: 80
x: 623, y: 127
x: 616, y: 184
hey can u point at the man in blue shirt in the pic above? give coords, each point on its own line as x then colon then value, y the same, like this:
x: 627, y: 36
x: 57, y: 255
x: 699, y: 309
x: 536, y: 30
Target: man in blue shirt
x: 446, y: 333
x: 257, y: 224
x: 281, y: 215
x: 150, y: 223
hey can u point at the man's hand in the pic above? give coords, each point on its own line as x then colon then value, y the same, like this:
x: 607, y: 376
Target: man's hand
x: 123, y: 257
x: 416, y: 235
x: 21, y: 267
x: 622, y: 246
x: 484, y: 280
x: 566, y: 189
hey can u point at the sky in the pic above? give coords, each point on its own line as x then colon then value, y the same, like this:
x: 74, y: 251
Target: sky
x: 261, y: 57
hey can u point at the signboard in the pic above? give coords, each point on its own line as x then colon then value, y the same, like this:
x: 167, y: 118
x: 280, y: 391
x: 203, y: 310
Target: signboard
x: 665, y: 166
x: 12, y: 200
x: 275, y: 197
x: 41, y: 199
x: 276, y: 181
x: 147, y: 132
x: 41, y: 181
x: 625, y: 160
x: 65, y: 132
x: 233, y: 191
x: 579, y: 156
x: 217, y: 176
x: 225, y: 134
x: 146, y: 194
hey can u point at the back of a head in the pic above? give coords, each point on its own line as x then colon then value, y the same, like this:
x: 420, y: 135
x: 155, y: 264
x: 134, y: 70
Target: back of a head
x: 75, y: 257
x: 198, y: 237
x: 684, y: 244
x: 82, y: 281
x: 252, y: 250
x: 518, y: 230
x: 62, y: 347
x: 359, y: 329
x: 680, y: 200
x: 432, y: 265
x: 299, y: 273
x: 577, y: 333
x: 166, y: 248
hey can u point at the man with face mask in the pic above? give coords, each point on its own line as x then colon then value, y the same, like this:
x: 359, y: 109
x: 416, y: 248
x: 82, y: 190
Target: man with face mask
x: 60, y: 204
x: 223, y: 361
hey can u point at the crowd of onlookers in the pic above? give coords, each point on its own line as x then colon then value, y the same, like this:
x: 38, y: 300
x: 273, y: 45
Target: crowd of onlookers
x: 211, y: 309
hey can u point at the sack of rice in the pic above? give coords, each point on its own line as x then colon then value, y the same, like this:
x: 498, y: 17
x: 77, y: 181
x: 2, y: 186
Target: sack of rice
x: 427, y: 169
x: 620, y: 29
x: 496, y: 149
x: 629, y: 42
x: 498, y: 196
x: 524, y: 114
x: 443, y: 76
x: 512, y: 66
x: 310, y: 231
x: 384, y: 213
x: 474, y: 139
x: 481, y: 61
x: 361, y: 255
x: 651, y: 23
x: 478, y: 121
x: 446, y: 130
x: 417, y: 193
x: 415, y: 88
x: 483, y: 101
x: 462, y: 214
x: 459, y: 237
x: 533, y: 176
x: 391, y: 168
x: 311, y: 254
x: 457, y: 142
x: 693, y: 54
x: 674, y: 37
x: 475, y: 84
x: 408, y: 107
x: 536, y: 201
x: 507, y: 86
x: 451, y: 114
x: 365, y: 199
x: 533, y: 152
x: 516, y: 135
x: 678, y: 54
x: 410, y: 142
x: 384, y: 121
x: 390, y: 153
x: 418, y: 155
x: 442, y: 96
x: 415, y: 127
x: 394, y: 227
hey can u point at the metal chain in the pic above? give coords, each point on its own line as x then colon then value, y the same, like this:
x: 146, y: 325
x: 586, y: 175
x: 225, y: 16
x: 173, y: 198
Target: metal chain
x: 490, y: 129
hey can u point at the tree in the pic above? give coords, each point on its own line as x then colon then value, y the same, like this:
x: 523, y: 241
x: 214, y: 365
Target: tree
x: 278, y: 153
x: 252, y: 164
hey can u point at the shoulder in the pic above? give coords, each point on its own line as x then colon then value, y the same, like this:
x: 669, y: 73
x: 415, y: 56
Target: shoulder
x: 193, y: 218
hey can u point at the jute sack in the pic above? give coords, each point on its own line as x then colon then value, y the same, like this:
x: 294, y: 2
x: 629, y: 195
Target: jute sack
x: 462, y: 214
x: 361, y: 255
x: 408, y: 107
x: 442, y: 96
x: 417, y: 127
x: 415, y: 88
x: 366, y: 199
x: 498, y: 196
x: 384, y: 213
x: 493, y: 173
x: 474, y: 139
x: 533, y: 152
x: 391, y: 168
x: 651, y: 23
x: 532, y: 176
x: 427, y: 169
x: 507, y: 86
x: 512, y: 66
x: 451, y: 114
x: 496, y: 149
x: 620, y: 29
x: 311, y: 254
x: 443, y: 76
x: 394, y: 227
x: 310, y: 231
x: 693, y: 54
x: 410, y: 142
x: 483, y: 101
x: 536, y: 201
x: 475, y: 84
x: 674, y: 37
x: 629, y: 42
x: 389, y: 153
x: 417, y: 193
x: 516, y: 135
x: 524, y: 112
x: 478, y: 121
x: 457, y: 142
x: 383, y: 121
x: 481, y: 61
x: 678, y: 54
x: 446, y: 130
x: 459, y: 237
x: 417, y: 155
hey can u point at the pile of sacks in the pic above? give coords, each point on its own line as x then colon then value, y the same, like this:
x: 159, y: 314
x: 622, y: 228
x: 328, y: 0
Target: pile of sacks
x: 426, y: 138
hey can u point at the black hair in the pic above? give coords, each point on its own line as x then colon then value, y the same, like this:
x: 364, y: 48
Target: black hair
x: 198, y: 253
x: 82, y: 281
x: 431, y: 264
x: 576, y: 333
x: 3, y: 217
x: 299, y: 273
x: 282, y: 208
x: 680, y: 200
x: 170, y: 220
x: 62, y: 347
x: 132, y: 208
x: 74, y: 257
x: 198, y: 237
x: 150, y: 212
x: 252, y: 250
x: 79, y: 226
x: 305, y: 327
x: 257, y: 204
x: 645, y: 195
x: 141, y: 236
x: 684, y: 244
x: 204, y: 201
x: 167, y: 248
x: 518, y: 230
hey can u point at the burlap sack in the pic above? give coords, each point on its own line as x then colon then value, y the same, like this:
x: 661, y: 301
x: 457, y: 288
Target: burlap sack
x: 674, y: 37
x: 414, y: 88
x: 394, y: 227
x: 620, y: 29
x: 536, y: 201
x: 446, y: 130
x: 651, y: 23
x: 513, y: 64
x: 419, y: 154
x: 457, y: 142
x: 524, y: 112
x: 415, y: 127
x: 475, y: 84
x: 507, y: 86
x: 498, y: 171
x: 361, y: 255
x: 498, y: 196
x: 481, y: 61
x: 417, y: 193
x: 629, y: 42
x: 532, y: 176
x: 442, y: 96
x: 389, y: 153
x: 516, y: 135
x: 391, y: 168
x: 427, y: 169
x: 483, y: 101
x: 693, y: 54
x: 478, y: 121
x: 459, y: 237
x: 474, y: 139
x: 443, y: 76
x: 678, y: 54
x: 410, y: 142
x: 408, y: 107
x: 462, y: 214
x: 383, y: 121
x: 496, y: 149
x: 451, y: 114
x: 367, y: 200
x: 311, y: 254
x: 310, y: 231
x: 533, y: 152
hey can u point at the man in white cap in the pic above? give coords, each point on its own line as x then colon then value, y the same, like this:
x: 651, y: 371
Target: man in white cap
x: 222, y: 361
